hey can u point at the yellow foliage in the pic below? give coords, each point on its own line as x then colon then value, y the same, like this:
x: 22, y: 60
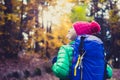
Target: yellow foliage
x: 85, y: 1
x: 60, y: 33
x: 16, y: 3
x: 102, y: 1
x: 13, y: 17
x: 2, y: 23
x: 113, y: 17
x: 32, y: 1
x: 1, y: 33
x: 31, y: 23
x: 40, y: 34
x: 27, y: 8
x: 62, y: 30
x: 2, y: 7
x: 2, y: 16
x: 51, y: 40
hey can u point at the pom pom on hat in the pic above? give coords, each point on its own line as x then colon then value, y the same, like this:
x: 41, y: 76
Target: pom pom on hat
x: 86, y: 27
x: 95, y: 27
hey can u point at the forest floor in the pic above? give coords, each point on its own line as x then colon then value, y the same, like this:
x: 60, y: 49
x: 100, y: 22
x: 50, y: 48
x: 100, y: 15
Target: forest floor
x: 32, y: 67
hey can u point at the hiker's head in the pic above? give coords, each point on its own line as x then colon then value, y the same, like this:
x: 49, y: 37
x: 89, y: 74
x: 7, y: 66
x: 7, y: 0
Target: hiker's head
x: 71, y: 34
x: 80, y: 28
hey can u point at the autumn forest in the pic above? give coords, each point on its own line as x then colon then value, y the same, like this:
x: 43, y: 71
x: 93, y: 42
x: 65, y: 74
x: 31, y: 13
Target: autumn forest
x: 31, y: 32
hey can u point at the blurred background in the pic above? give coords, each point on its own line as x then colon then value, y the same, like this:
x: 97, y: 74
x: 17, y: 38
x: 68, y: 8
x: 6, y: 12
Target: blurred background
x: 31, y: 32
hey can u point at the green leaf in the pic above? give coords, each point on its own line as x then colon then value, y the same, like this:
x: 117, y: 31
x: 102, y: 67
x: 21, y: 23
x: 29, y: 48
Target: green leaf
x: 79, y: 13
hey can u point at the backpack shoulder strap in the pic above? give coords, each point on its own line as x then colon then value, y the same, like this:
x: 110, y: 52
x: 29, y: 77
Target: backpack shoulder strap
x: 81, y: 49
x: 82, y: 52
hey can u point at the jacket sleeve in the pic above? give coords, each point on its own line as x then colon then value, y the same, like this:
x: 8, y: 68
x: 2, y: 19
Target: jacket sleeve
x: 61, y: 67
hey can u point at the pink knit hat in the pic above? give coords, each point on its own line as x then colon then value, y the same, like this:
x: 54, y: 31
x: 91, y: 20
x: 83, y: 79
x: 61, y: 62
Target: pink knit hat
x: 86, y: 27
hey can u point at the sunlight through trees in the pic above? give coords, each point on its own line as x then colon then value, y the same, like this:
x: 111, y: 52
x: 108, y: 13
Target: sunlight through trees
x: 40, y: 26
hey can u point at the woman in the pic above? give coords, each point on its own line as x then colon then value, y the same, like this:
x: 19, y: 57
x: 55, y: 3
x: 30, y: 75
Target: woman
x: 70, y: 65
